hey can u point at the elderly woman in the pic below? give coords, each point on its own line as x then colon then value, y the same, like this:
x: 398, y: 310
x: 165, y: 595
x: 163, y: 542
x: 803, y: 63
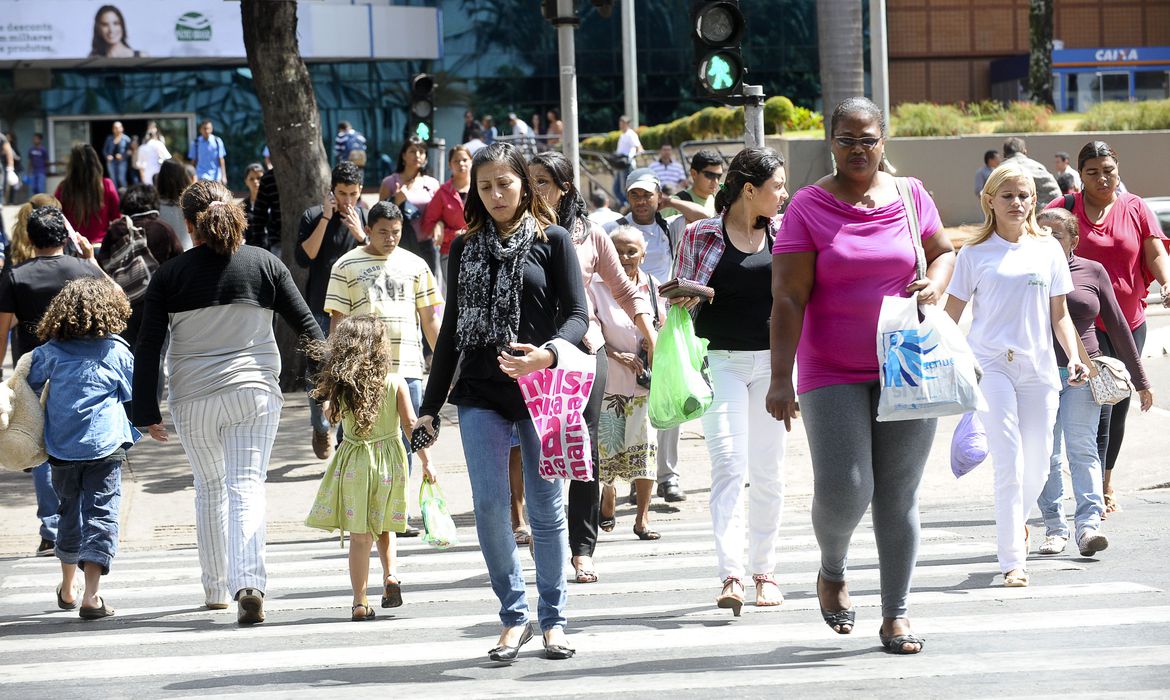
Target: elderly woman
x: 1118, y: 230
x: 845, y: 244
x: 217, y: 300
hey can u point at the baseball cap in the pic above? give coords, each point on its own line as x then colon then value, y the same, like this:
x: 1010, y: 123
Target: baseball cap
x: 643, y: 179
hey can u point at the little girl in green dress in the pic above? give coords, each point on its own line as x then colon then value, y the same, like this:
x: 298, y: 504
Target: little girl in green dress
x: 364, y: 488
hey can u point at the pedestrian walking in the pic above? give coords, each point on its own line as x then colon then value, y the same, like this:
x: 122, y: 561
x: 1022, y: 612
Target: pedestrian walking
x: 85, y: 363
x: 217, y: 301
x: 732, y: 254
x: 208, y: 154
x: 117, y: 153
x: 151, y: 155
x: 172, y: 179
x: 444, y: 215
x: 1078, y: 416
x: 90, y: 201
x: 1118, y: 230
x: 1017, y: 278
x: 515, y: 286
x: 551, y: 174
x: 843, y: 245
x: 363, y: 491
x: 412, y: 189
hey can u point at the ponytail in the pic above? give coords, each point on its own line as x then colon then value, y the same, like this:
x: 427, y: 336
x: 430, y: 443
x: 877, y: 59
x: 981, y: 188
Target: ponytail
x: 219, y: 224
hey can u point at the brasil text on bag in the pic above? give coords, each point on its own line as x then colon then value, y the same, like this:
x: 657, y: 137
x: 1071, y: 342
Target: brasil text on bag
x: 556, y: 399
x: 681, y: 390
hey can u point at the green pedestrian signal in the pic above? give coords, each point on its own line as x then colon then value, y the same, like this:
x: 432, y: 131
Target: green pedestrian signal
x: 421, y: 117
x: 423, y: 131
x: 718, y: 34
x: 719, y: 73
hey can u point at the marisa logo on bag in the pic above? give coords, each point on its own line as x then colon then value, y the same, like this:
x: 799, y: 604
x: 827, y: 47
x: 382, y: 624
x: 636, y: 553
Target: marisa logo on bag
x: 193, y: 26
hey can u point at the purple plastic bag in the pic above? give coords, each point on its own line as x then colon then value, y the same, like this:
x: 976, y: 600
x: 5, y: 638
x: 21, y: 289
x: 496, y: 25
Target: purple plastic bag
x: 969, y: 444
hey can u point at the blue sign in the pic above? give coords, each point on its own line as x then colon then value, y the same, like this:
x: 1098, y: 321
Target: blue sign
x: 1126, y: 56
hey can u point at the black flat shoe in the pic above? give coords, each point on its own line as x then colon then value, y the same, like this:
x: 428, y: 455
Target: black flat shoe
x: 842, y: 621
x: 557, y: 652
x: 506, y: 653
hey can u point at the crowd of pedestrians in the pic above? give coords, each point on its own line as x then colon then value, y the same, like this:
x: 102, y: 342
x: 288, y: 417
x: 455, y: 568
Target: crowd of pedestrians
x: 495, y: 274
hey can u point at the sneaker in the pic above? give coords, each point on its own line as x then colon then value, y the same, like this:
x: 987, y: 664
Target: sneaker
x: 322, y: 446
x: 671, y: 493
x: 251, y: 606
x: 1053, y: 544
x: 45, y: 549
x: 1090, y: 542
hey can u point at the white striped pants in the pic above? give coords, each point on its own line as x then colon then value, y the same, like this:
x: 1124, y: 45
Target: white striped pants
x: 228, y: 440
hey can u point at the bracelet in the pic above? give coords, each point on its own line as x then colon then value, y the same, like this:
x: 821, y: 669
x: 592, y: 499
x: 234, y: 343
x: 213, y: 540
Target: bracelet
x: 326, y: 218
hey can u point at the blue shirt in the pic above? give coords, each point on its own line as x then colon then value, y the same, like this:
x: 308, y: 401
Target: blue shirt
x: 89, y: 380
x: 117, y: 147
x: 37, y: 158
x: 206, y: 155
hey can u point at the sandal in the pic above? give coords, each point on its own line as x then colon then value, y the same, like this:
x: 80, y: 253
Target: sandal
x: 61, y: 601
x: 647, y: 534
x: 367, y: 613
x: 586, y: 575
x: 763, y: 601
x: 1016, y: 578
x: 607, y: 524
x: 728, y: 598
x: 1111, y: 505
x: 841, y: 621
x: 95, y: 613
x: 523, y: 537
x: 392, y: 593
x: 896, y: 644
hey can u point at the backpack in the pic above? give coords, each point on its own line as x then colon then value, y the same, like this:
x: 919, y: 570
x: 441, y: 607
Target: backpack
x: 1070, y: 200
x: 131, y: 265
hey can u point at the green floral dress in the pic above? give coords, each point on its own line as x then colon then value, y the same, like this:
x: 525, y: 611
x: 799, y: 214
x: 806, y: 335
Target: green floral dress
x: 364, y: 488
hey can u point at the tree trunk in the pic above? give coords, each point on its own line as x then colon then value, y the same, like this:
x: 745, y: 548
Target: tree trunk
x: 292, y: 124
x: 839, y: 47
x: 1040, y: 58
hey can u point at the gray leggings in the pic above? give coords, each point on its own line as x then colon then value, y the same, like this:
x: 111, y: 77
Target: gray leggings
x: 858, y: 461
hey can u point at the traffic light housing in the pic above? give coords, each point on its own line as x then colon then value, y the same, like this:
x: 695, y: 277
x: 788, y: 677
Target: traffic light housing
x: 421, y: 121
x: 718, y: 27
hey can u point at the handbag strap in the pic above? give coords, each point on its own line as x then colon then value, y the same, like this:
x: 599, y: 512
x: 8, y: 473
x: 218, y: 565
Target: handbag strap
x: 903, y: 185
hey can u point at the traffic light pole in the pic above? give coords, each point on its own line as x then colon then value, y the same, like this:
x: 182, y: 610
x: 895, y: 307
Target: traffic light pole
x: 753, y: 115
x: 565, y: 22
x: 630, y: 61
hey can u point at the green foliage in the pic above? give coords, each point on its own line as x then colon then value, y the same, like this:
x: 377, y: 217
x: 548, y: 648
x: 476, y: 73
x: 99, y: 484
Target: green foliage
x: 778, y: 114
x: 807, y: 120
x: 1025, y: 117
x: 1128, y: 116
x: 928, y: 119
x: 983, y: 110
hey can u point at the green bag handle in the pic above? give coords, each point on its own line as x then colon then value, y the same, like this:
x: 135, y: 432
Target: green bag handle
x: 430, y: 492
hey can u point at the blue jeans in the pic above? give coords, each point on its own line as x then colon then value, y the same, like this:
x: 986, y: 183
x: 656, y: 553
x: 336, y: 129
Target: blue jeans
x: 1077, y: 421
x: 35, y: 182
x: 316, y: 415
x: 415, y: 387
x: 47, y: 502
x: 118, y: 172
x: 487, y: 437
x: 90, y: 494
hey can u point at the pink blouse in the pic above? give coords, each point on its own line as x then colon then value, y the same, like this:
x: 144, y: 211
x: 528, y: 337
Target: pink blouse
x: 597, y: 255
x: 620, y: 333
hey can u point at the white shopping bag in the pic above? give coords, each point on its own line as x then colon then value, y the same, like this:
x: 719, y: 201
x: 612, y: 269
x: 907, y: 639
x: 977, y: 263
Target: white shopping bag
x: 926, y: 367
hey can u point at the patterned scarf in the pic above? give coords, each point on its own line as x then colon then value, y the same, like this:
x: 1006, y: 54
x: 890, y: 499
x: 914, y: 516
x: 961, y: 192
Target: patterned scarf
x: 489, y: 315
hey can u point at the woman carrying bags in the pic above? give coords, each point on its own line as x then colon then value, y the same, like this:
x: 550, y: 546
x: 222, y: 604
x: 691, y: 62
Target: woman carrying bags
x: 1017, y: 276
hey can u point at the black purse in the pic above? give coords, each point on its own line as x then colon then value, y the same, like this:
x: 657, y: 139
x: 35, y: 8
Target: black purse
x: 643, y: 378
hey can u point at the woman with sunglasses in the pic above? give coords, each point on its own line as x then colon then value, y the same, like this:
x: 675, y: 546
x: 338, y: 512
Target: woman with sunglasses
x: 845, y: 244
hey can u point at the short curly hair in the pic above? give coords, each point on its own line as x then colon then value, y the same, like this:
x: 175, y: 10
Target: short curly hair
x: 89, y: 307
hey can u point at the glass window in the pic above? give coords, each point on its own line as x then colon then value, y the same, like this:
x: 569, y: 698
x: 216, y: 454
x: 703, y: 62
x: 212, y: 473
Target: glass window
x: 1151, y: 85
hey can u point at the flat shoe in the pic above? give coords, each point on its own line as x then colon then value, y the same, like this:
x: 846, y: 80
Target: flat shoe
x: 367, y: 613
x: 558, y: 652
x: 897, y: 643
x: 96, y: 613
x: 845, y: 619
x: 66, y: 606
x: 647, y: 534
x: 1053, y: 544
x: 522, y: 537
x: 1091, y: 542
x: 607, y: 524
x: 392, y: 594
x: 506, y: 653
x: 1016, y: 578
x: 251, y: 606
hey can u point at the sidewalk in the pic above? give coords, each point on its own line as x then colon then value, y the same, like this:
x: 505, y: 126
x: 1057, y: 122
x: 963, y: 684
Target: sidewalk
x: 158, y: 496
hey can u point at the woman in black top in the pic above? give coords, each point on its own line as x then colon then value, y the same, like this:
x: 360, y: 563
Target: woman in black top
x: 515, y: 284
x: 732, y: 253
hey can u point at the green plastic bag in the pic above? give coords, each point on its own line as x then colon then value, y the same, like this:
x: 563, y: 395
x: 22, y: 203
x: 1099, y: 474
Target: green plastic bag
x: 439, y: 528
x: 681, y: 388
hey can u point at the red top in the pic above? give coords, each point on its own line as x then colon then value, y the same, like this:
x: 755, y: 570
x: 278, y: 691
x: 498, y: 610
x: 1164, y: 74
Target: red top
x: 1116, y: 243
x: 447, y: 207
x: 95, y: 228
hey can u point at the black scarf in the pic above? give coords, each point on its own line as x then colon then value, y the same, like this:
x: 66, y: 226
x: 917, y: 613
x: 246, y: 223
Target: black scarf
x: 489, y: 315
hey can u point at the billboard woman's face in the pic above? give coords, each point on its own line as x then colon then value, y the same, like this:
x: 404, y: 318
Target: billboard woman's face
x: 110, y: 27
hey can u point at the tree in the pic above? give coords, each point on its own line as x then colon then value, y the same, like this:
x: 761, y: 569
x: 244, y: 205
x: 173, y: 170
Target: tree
x: 839, y: 46
x: 1040, y: 53
x: 292, y: 124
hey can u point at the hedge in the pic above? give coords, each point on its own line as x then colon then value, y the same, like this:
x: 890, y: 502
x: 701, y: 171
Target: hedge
x: 1025, y: 117
x: 1127, y: 116
x: 928, y: 119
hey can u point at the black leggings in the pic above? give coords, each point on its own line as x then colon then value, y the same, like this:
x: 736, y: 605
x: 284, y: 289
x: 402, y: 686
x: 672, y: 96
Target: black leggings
x: 1111, y: 430
x: 585, y: 496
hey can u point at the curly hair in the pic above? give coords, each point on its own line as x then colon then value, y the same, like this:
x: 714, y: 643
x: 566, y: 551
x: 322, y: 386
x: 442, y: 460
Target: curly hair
x: 219, y: 222
x: 353, y: 365
x: 88, y: 307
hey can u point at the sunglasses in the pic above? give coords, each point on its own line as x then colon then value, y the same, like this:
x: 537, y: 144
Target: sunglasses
x: 869, y: 143
x: 714, y: 177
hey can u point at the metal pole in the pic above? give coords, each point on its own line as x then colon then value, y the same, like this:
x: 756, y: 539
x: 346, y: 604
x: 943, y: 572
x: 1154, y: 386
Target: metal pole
x: 879, y: 59
x: 630, y: 61
x: 440, y: 146
x: 753, y: 115
x: 566, y: 22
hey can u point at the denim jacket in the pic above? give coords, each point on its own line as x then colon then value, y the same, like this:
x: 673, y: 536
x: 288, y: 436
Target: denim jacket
x: 89, y: 380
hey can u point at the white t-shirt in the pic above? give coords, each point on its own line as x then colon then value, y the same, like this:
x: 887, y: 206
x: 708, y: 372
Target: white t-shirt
x: 150, y: 159
x: 659, y: 259
x: 1011, y: 286
x: 629, y: 144
x: 603, y: 216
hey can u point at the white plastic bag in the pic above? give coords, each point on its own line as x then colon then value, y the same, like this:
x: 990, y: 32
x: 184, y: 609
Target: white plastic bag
x: 926, y: 368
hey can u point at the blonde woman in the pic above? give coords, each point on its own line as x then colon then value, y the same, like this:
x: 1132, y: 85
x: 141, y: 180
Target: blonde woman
x: 1017, y: 277
x: 20, y: 249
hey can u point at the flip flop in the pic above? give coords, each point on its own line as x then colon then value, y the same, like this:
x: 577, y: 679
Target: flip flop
x: 67, y: 606
x: 586, y: 576
x: 392, y: 594
x: 96, y: 613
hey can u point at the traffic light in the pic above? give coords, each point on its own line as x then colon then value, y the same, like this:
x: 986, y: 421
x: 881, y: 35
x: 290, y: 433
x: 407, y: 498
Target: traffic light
x: 718, y: 31
x: 422, y: 107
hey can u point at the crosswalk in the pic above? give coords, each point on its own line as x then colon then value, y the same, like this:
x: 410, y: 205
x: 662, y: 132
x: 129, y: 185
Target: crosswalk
x: 648, y: 625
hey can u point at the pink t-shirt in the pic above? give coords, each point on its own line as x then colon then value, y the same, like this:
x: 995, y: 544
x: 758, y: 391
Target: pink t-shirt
x: 863, y: 255
x: 1117, y: 243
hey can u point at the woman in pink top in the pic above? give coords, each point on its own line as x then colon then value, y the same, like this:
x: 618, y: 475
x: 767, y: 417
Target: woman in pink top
x: 552, y: 178
x: 90, y: 201
x: 1119, y: 231
x: 411, y: 184
x: 843, y: 245
x: 444, y: 215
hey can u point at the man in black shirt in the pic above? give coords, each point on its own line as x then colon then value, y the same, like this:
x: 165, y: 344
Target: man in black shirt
x: 326, y: 233
x: 264, y: 221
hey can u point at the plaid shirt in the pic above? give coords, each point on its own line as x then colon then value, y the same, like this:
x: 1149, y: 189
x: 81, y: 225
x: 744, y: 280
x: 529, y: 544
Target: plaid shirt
x: 702, y: 247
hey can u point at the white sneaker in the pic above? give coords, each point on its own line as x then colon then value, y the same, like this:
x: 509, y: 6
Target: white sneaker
x: 1053, y: 544
x: 1091, y: 541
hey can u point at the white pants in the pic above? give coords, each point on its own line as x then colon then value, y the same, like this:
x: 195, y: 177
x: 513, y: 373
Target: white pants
x: 228, y: 440
x: 1019, y: 421
x: 744, y: 442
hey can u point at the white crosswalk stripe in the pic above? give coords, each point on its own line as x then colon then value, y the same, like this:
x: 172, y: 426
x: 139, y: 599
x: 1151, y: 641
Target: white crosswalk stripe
x: 654, y: 603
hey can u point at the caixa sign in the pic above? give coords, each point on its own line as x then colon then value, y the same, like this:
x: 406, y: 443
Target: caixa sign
x: 1117, y: 56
